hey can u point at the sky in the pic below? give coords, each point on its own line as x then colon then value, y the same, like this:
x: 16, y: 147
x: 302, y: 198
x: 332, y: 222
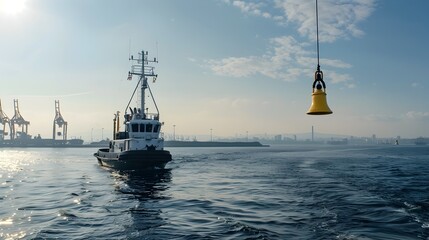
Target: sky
x: 227, y: 67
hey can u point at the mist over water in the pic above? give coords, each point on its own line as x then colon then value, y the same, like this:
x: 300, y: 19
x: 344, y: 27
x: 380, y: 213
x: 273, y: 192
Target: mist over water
x: 280, y: 192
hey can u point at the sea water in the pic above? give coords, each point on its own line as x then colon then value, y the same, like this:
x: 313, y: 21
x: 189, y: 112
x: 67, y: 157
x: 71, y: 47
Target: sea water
x: 277, y: 192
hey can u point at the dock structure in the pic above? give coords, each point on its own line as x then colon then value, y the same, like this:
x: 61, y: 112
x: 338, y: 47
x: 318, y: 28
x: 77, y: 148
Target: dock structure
x: 17, y: 122
x: 4, y: 120
x: 18, y: 131
x: 60, y: 123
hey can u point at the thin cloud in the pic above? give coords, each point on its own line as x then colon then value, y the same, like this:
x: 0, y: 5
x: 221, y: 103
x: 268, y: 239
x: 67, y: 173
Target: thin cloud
x: 337, y: 19
x: 414, y: 84
x: 233, y: 66
x: 410, y: 115
x: 338, y: 78
x: 286, y: 59
x: 417, y: 115
x: 255, y: 8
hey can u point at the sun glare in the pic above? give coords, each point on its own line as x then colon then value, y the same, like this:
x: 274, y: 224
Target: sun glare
x: 12, y: 7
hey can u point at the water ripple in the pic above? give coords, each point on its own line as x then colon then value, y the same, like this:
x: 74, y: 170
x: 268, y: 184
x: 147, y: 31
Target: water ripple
x: 288, y: 192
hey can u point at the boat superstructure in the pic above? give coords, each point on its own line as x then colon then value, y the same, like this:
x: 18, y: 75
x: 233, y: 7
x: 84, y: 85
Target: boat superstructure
x: 140, y: 144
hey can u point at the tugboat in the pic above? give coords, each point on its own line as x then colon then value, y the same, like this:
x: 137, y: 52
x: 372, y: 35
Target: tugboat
x: 139, y: 146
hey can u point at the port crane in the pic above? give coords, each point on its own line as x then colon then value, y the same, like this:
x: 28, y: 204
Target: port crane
x: 60, y: 122
x: 4, y: 120
x: 17, y: 119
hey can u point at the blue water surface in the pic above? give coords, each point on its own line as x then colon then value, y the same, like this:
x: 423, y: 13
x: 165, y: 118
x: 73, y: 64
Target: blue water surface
x: 277, y: 192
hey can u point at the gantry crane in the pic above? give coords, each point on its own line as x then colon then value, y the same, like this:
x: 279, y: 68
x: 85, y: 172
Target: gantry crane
x: 59, y: 121
x: 4, y: 120
x: 17, y: 119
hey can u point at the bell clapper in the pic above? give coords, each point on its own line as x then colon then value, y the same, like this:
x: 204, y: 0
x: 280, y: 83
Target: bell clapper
x: 318, y: 79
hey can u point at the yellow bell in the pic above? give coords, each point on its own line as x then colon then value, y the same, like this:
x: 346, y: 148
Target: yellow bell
x: 319, y: 105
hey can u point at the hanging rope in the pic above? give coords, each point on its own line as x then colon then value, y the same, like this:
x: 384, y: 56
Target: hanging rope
x: 317, y: 34
x: 318, y: 75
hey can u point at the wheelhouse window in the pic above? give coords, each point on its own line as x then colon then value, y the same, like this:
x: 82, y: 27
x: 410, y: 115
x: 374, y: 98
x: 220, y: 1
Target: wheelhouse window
x: 134, y: 127
x: 156, y: 128
x: 142, y: 127
x: 149, y: 127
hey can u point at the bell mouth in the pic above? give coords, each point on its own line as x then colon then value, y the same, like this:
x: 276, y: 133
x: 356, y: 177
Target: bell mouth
x: 319, y: 113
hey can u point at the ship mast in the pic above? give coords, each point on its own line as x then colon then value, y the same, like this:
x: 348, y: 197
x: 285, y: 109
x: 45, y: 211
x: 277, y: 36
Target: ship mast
x: 142, y: 68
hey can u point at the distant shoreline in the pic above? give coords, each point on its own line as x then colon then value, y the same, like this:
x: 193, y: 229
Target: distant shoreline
x: 212, y: 144
x: 98, y: 145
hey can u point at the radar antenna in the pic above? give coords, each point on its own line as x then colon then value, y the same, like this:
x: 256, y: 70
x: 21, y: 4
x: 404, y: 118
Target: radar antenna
x: 142, y: 68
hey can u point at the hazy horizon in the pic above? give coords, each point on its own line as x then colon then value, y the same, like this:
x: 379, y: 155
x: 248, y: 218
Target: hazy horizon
x: 236, y: 67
